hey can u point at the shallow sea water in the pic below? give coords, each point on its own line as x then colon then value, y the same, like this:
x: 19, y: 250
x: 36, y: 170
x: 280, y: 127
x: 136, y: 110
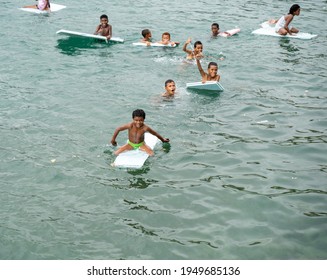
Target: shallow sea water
x: 244, y: 176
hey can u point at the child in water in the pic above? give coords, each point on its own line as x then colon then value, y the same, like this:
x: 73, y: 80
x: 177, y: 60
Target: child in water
x: 136, y: 130
x: 146, y: 33
x: 42, y: 5
x: 104, y: 29
x: 282, y: 25
x: 214, y: 29
x: 170, y: 88
x: 165, y: 40
x: 212, y: 73
x: 198, y: 47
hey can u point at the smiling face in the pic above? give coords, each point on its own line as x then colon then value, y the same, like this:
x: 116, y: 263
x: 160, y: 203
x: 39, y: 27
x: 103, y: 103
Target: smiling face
x: 170, y: 88
x: 165, y: 38
x: 104, y: 22
x: 212, y: 71
x: 138, y: 121
x: 198, y: 48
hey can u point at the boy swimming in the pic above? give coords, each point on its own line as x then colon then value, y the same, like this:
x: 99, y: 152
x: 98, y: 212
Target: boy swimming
x: 170, y: 88
x: 136, y: 130
x: 165, y: 40
x: 104, y: 29
x: 146, y: 33
x: 198, y: 47
x: 214, y: 29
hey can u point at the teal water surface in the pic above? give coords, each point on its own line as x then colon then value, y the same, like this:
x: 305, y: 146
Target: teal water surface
x: 244, y: 176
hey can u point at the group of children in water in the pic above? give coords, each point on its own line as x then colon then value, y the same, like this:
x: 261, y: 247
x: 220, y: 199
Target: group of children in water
x: 137, y: 128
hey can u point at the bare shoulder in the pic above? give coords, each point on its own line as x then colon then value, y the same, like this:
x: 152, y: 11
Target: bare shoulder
x: 127, y: 126
x: 146, y: 128
x: 130, y: 125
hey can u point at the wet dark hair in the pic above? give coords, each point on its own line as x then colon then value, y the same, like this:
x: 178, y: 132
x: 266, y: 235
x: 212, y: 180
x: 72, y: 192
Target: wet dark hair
x: 197, y: 43
x: 169, y: 81
x: 138, y: 113
x: 103, y: 16
x: 215, y: 24
x: 145, y: 32
x: 294, y: 8
x: 212, y: 64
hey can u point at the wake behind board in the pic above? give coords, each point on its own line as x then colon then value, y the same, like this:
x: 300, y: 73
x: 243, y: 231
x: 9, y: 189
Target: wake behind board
x: 269, y: 30
x: 53, y: 8
x: 155, y: 45
x: 229, y: 33
x: 87, y: 35
x: 210, y: 85
x: 135, y: 158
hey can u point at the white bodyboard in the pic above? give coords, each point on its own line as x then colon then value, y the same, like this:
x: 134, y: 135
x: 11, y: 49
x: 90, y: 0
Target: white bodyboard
x: 210, y: 85
x: 135, y: 158
x: 229, y: 33
x: 87, y: 35
x: 53, y: 8
x: 269, y: 30
x: 155, y: 45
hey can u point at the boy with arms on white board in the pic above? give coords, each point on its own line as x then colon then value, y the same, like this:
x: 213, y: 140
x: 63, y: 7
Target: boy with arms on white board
x: 136, y: 130
x: 212, y: 73
x: 104, y: 29
x: 147, y: 35
x: 215, y: 31
x: 42, y: 5
x: 165, y: 40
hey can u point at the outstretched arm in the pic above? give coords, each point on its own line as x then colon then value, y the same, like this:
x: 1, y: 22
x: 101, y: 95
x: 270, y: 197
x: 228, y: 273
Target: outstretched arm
x: 198, y: 63
x: 157, y: 134
x: 185, y: 45
x: 118, y: 129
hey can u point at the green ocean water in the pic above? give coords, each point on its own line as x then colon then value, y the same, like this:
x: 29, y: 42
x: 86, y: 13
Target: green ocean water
x: 244, y: 176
